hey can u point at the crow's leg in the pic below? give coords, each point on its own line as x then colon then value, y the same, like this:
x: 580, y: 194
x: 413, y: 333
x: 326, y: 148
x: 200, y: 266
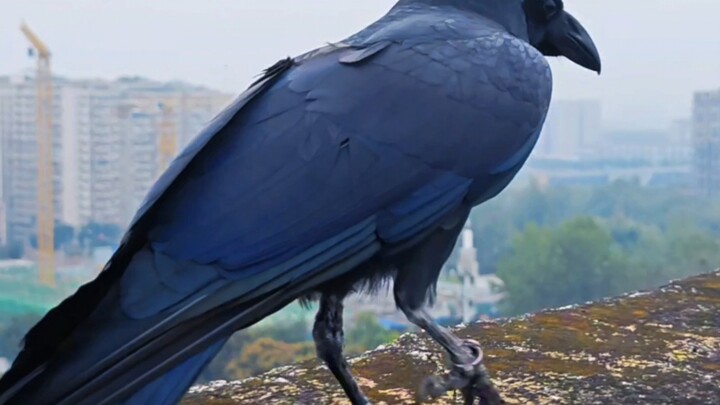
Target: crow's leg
x: 328, y: 336
x: 467, y: 374
x: 418, y: 272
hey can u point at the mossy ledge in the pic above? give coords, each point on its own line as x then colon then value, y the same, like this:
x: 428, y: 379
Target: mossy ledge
x: 656, y: 347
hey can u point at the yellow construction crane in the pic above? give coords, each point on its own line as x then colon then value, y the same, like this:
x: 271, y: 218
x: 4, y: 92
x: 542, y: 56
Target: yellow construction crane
x: 168, y: 136
x: 44, y: 135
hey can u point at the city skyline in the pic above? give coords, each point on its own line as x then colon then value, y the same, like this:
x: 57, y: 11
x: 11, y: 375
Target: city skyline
x: 645, y: 65
x: 107, y: 145
x: 575, y: 129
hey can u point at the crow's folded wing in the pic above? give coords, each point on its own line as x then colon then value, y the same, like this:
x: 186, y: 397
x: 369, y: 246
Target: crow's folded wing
x: 319, y: 167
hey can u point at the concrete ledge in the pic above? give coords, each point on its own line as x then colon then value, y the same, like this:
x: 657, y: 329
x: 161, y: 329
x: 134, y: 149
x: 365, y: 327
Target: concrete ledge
x: 658, y: 347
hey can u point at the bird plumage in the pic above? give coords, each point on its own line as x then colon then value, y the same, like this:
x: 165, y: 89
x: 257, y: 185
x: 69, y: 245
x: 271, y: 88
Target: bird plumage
x: 350, y: 160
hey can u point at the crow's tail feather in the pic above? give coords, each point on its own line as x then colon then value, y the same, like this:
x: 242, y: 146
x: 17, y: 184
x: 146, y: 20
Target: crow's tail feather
x: 169, y: 388
x: 110, y: 358
x: 154, y: 370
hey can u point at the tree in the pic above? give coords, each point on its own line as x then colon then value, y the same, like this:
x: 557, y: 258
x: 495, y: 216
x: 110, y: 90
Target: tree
x: 96, y: 234
x: 13, y: 250
x: 12, y: 333
x: 690, y: 250
x: 63, y: 234
x: 366, y: 334
x: 290, y: 331
x: 574, y: 263
x: 265, y: 354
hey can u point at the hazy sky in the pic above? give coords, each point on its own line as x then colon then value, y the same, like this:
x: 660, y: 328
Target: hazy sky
x: 655, y: 52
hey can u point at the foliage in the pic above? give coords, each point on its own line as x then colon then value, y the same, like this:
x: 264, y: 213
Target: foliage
x: 63, y: 235
x: 266, y: 353
x: 97, y: 235
x: 227, y: 363
x: 11, y: 333
x: 576, y: 262
x: 367, y: 334
x: 587, y: 258
x: 269, y: 345
x: 498, y: 222
x: 12, y: 250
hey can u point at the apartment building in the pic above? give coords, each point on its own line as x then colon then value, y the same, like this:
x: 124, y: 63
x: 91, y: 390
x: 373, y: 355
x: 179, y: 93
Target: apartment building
x: 706, y: 141
x: 106, y: 144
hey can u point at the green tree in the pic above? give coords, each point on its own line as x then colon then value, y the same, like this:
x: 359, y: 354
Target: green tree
x: 13, y: 250
x: 576, y: 262
x: 265, y: 354
x: 12, y: 332
x: 63, y: 234
x: 691, y: 250
x: 290, y: 331
x: 367, y: 334
x: 98, y: 234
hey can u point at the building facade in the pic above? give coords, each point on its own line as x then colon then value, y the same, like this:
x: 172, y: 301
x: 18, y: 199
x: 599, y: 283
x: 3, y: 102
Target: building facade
x: 706, y: 141
x: 19, y: 159
x: 572, y: 128
x: 106, y: 145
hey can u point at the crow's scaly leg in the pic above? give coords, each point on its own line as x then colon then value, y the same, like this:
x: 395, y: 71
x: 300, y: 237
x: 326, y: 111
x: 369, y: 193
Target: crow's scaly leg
x: 468, y: 373
x: 328, y: 336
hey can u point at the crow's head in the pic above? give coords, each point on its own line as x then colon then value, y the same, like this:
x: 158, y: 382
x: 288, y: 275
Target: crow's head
x: 555, y: 32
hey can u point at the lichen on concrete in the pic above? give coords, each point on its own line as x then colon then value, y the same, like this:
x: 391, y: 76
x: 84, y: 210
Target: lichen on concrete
x: 657, y: 347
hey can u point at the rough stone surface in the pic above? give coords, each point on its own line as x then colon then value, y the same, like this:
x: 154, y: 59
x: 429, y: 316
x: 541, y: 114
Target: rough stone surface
x: 659, y: 347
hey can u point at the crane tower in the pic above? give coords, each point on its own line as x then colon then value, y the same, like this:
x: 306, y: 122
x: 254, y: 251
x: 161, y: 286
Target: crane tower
x: 168, y: 136
x: 44, y: 134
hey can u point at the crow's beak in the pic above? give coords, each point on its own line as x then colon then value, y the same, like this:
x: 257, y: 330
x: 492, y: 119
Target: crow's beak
x: 574, y: 42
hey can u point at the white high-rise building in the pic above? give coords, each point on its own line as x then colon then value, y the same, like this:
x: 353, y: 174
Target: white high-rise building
x: 185, y: 111
x: 19, y: 162
x: 90, y: 151
x: 106, y: 152
x: 572, y: 128
x: 3, y: 225
x: 706, y: 141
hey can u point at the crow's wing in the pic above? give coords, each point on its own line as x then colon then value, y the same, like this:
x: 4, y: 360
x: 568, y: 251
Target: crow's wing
x: 339, y: 156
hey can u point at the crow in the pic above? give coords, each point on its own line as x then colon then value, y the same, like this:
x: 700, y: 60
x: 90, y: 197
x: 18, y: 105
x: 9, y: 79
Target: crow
x: 351, y: 164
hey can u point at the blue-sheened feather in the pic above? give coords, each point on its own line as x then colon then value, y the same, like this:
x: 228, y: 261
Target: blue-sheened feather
x: 169, y: 388
x: 345, y: 153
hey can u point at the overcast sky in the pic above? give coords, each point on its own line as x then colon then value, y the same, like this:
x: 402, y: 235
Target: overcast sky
x: 655, y: 52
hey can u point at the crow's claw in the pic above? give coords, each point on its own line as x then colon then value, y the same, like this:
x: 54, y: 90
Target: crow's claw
x: 477, y: 384
x: 481, y: 387
x: 432, y: 387
x: 471, y: 379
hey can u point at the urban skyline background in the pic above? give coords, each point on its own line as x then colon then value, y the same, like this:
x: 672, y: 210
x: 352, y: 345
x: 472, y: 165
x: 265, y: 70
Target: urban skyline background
x: 109, y: 55
x: 652, y: 61
x: 106, y: 145
x: 107, y: 150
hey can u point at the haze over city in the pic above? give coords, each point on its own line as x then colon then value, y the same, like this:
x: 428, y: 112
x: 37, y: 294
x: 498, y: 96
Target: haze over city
x: 652, y: 61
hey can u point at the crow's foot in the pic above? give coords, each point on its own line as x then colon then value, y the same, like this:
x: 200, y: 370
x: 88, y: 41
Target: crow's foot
x: 472, y: 379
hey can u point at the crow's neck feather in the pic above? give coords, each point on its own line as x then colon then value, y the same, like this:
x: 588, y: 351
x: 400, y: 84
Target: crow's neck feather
x: 508, y: 13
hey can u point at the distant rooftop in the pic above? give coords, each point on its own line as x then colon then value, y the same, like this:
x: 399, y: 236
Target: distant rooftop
x: 137, y: 83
